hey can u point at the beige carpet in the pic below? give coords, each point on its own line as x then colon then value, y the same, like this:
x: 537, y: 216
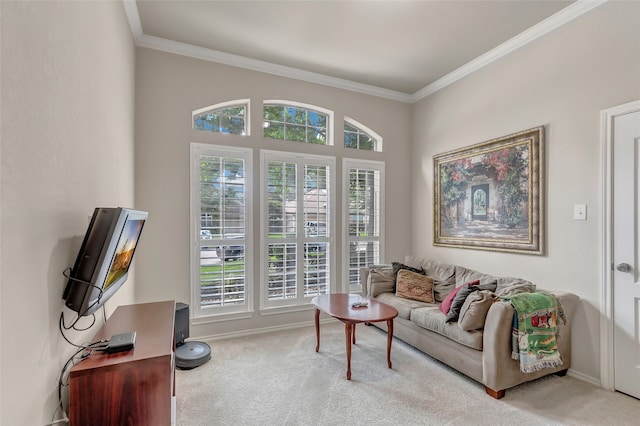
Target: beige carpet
x: 279, y: 379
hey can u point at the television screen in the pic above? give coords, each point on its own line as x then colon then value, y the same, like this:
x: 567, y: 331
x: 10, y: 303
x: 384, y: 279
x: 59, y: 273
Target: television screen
x: 103, y: 261
x: 124, y: 251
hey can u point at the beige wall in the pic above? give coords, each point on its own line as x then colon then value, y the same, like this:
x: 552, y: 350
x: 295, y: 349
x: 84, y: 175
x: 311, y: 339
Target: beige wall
x: 168, y: 88
x: 561, y: 81
x: 67, y: 146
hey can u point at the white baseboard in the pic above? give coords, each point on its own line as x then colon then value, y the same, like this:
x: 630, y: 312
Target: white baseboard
x: 173, y: 410
x: 585, y: 378
x: 255, y: 331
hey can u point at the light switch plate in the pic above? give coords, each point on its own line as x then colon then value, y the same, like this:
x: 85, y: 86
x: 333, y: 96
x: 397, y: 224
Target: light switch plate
x: 580, y: 212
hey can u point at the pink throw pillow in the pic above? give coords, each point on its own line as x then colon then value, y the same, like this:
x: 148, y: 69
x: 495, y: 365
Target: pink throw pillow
x: 445, y: 306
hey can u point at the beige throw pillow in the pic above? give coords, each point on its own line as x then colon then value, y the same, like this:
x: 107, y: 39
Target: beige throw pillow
x: 443, y: 274
x: 474, y: 310
x: 414, y: 286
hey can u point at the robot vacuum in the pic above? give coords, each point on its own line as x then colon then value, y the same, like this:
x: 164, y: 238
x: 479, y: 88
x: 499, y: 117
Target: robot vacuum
x: 192, y: 354
x: 188, y: 354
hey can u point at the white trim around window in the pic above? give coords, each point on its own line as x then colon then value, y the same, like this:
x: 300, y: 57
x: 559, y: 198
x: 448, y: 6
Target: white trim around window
x: 204, y: 241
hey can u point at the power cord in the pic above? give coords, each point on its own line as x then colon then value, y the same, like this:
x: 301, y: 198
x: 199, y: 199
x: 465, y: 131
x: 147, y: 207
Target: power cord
x: 63, y: 327
x: 62, y: 323
x: 84, y: 352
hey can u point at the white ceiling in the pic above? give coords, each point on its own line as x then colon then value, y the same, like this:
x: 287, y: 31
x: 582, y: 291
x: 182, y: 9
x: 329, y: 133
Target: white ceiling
x: 402, y: 50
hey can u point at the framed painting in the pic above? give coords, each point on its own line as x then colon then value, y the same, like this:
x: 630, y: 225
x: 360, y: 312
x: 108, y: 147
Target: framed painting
x: 490, y: 196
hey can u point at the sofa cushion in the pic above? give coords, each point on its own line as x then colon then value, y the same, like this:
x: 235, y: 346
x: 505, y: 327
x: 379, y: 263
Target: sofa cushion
x: 404, y: 306
x: 443, y: 274
x: 432, y: 319
x: 461, y: 296
x: 414, y: 286
x: 474, y: 310
x: 380, y: 280
x: 464, y: 275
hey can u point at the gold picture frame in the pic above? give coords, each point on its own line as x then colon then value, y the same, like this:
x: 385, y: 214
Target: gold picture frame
x: 490, y: 196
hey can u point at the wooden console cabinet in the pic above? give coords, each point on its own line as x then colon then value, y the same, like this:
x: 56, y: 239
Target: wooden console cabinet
x: 128, y: 388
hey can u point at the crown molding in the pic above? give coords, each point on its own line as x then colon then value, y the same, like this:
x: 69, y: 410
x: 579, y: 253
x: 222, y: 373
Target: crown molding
x: 569, y: 13
x: 131, y: 10
x: 576, y: 9
x: 184, y: 49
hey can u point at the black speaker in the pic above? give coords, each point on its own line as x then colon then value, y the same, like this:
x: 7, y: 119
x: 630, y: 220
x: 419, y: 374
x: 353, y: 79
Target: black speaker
x: 182, y: 323
x: 190, y: 354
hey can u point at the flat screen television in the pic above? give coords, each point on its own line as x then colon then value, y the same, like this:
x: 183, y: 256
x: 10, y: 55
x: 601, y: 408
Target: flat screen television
x: 104, y: 258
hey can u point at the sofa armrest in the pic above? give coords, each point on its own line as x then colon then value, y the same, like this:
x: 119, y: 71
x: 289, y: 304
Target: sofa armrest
x: 364, y: 275
x: 499, y: 370
x: 380, y: 282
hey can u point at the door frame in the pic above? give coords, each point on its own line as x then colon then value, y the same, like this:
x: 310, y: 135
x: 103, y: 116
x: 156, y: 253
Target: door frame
x: 607, y: 117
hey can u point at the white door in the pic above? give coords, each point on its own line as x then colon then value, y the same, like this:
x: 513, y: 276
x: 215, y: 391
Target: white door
x: 626, y: 250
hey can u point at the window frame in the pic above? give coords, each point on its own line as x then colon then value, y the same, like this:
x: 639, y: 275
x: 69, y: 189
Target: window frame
x: 347, y: 165
x: 300, y: 302
x: 246, y: 103
x: 199, y: 313
x: 309, y: 107
x: 366, y: 130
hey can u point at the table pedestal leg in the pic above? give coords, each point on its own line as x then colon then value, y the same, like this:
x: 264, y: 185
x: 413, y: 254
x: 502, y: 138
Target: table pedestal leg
x: 317, y: 329
x: 348, y: 330
x: 389, y: 340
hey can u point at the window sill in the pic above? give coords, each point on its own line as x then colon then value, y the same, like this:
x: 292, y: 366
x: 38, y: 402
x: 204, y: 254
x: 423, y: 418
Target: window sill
x: 276, y: 310
x: 207, y: 319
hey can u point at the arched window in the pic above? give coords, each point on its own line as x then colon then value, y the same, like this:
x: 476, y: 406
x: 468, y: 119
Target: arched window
x: 292, y: 121
x: 357, y: 136
x: 228, y: 117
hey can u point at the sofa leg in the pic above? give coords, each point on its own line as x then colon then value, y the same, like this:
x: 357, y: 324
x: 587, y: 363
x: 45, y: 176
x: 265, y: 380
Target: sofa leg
x: 561, y: 373
x: 493, y: 393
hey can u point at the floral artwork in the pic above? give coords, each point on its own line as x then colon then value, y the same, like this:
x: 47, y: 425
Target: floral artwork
x: 489, y: 196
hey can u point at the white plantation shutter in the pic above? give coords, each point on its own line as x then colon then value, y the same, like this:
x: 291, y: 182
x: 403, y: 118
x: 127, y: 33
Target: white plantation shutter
x: 363, y: 187
x: 298, y: 194
x: 221, y: 228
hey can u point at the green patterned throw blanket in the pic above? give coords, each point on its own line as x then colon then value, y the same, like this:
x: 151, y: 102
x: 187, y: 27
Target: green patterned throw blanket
x: 533, y: 339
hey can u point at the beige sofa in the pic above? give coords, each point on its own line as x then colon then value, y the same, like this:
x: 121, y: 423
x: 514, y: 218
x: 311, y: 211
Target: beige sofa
x: 483, y: 354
